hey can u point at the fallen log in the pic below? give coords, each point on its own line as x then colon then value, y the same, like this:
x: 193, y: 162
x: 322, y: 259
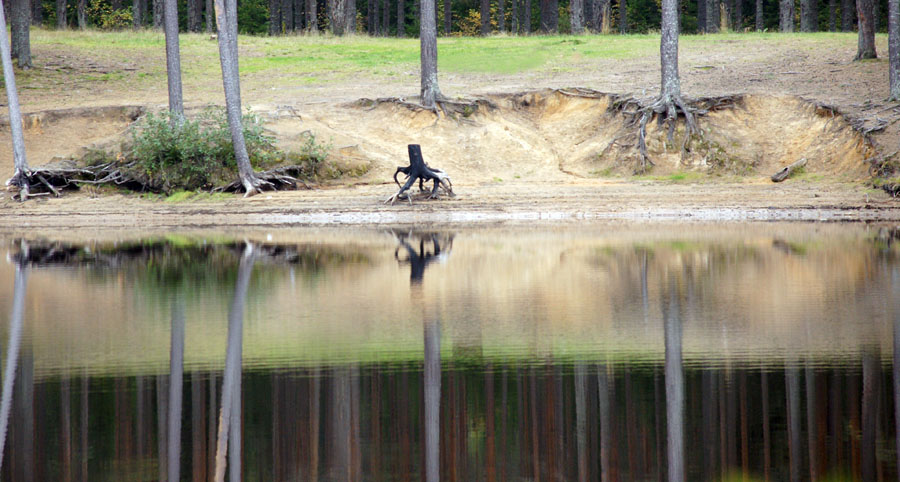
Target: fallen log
x: 786, y: 171
x: 418, y: 170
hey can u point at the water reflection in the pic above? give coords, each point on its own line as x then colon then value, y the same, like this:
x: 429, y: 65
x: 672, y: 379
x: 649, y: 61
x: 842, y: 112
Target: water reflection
x: 539, y: 356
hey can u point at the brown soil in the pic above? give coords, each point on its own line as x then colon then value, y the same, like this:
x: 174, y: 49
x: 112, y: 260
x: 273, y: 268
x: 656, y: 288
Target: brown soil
x: 535, y: 155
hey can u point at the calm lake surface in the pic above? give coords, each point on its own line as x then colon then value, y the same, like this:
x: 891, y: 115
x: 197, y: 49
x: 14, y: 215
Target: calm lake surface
x: 610, y: 352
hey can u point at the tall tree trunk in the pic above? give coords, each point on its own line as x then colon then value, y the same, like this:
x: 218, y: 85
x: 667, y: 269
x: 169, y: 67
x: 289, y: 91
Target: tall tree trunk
x: 16, y: 316
x: 226, y: 27
x: 350, y: 16
x: 865, y: 11
x: 274, y: 17
x: 370, y: 17
x: 299, y: 15
x: 210, y: 15
x: 37, y: 12
x: 623, y: 16
x: 526, y: 16
x: 337, y: 20
x: 738, y: 15
x: 832, y: 15
x: 501, y: 16
x: 548, y: 7
x: 577, y: 16
x: 230, y: 415
x: 312, y: 21
x: 760, y: 25
x: 894, y: 50
x: 448, y: 17
x: 287, y: 15
x: 82, y: 16
x: 194, y: 10
x: 604, y: 395
x: 713, y: 19
x: 429, y: 91
x: 176, y: 377
x: 809, y: 18
x: 668, y: 50
x: 673, y: 363
x: 173, y: 61
x: 701, y: 16
x: 401, y: 19
x: 20, y: 32
x: 20, y: 163
x: 848, y: 12
x: 158, y: 10
x: 786, y: 15
x: 61, y: 20
x: 606, y: 16
x: 485, y: 17
x: 136, y: 17
x: 386, y: 18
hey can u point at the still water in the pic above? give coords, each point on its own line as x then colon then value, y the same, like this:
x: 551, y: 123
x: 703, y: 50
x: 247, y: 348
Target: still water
x: 616, y: 352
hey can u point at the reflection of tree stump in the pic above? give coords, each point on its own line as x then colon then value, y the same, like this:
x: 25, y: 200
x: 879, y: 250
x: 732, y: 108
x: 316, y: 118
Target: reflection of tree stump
x: 418, y: 170
x: 419, y: 259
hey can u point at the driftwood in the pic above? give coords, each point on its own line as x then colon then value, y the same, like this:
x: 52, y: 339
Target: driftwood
x: 418, y: 170
x: 786, y: 171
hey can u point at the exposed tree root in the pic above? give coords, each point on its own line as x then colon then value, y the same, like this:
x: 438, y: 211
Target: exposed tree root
x: 54, y: 179
x: 418, y: 170
x: 459, y: 110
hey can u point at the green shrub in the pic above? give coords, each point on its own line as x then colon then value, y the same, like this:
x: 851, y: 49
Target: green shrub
x: 196, y: 153
x: 104, y: 17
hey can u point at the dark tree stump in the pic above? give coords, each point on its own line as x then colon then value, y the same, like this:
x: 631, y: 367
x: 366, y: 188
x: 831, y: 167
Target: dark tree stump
x: 418, y: 170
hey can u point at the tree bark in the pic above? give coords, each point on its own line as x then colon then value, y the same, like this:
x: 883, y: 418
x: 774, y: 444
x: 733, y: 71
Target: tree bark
x: 210, y: 20
x: 738, y: 15
x: 894, y: 49
x: 80, y: 13
x: 173, y: 61
x: 401, y: 19
x: 712, y: 16
x: 623, y: 16
x: 158, y: 10
x: 526, y: 16
x: 848, y: 11
x: 550, y: 16
x: 786, y: 15
x: 865, y: 11
x: 299, y: 15
x: 136, y: 17
x: 20, y: 32
x: 349, y: 16
x: 809, y: 18
x: 15, y: 114
x: 760, y: 25
x: 336, y: 20
x: 37, y: 13
x: 485, y: 17
x: 501, y: 16
x: 701, y: 16
x: 577, y: 16
x: 61, y: 15
x: 832, y: 15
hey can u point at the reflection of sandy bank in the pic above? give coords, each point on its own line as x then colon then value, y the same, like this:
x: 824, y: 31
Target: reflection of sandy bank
x: 748, y: 292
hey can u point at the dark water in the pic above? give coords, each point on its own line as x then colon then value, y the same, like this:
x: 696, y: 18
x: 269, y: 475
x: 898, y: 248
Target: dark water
x: 605, y: 353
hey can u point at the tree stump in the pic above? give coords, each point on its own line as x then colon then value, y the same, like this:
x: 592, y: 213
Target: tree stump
x: 418, y: 170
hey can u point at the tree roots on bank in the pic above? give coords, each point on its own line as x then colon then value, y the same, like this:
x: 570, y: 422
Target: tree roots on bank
x: 54, y: 179
x: 418, y: 170
x: 458, y: 110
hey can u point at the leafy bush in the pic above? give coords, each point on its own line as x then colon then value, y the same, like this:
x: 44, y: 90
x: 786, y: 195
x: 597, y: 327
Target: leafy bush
x: 196, y: 153
x: 104, y: 17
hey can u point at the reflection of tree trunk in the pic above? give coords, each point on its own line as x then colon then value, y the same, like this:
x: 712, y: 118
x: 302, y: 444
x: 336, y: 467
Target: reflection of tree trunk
x: 631, y: 426
x: 811, y: 422
x: 85, y: 384
x: 432, y: 381
x: 490, y: 457
x: 211, y: 427
x: 792, y: 382
x: 603, y: 394
x: 504, y: 416
x: 22, y: 436
x: 767, y: 438
x: 871, y: 369
x: 340, y: 430
x: 745, y: 428
x: 230, y: 416
x: 837, y: 424
x: 853, y: 409
x: 162, y: 437
x: 141, y: 411
x: 535, y: 455
x: 710, y: 421
x: 12, y: 352
x: 896, y: 373
x: 674, y: 390
x: 65, y: 410
x: 176, y: 373
x: 581, y: 421
x: 314, y: 414
x: 659, y: 388
x: 198, y: 428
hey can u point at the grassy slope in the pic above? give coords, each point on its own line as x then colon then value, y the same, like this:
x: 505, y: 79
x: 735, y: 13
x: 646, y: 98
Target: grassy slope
x: 74, y: 67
